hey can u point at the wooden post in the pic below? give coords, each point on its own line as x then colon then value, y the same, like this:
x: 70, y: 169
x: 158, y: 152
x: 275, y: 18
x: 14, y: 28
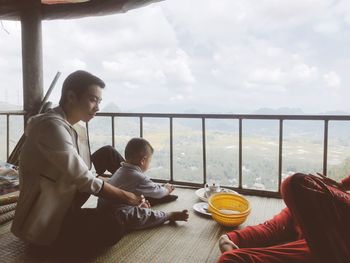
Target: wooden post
x: 32, y: 61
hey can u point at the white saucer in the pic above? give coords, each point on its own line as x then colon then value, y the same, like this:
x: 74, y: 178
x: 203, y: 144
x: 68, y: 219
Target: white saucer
x: 202, y: 208
x: 201, y: 193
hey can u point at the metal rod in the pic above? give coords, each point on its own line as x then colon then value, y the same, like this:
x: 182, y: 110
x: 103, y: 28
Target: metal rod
x: 325, y: 147
x: 280, y: 153
x: 113, y: 132
x: 229, y: 116
x: 239, y: 190
x: 7, y: 136
x: 171, y: 150
x: 204, y: 152
x: 141, y: 126
x: 49, y: 91
x: 240, y: 161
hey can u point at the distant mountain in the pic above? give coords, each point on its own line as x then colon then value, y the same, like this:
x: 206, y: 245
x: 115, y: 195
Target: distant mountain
x: 283, y: 110
x: 111, y: 107
x: 292, y: 128
x: 156, y: 108
x: 335, y: 113
x: 294, y: 111
x: 181, y: 108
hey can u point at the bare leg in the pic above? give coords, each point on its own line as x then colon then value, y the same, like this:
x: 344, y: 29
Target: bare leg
x: 178, y: 216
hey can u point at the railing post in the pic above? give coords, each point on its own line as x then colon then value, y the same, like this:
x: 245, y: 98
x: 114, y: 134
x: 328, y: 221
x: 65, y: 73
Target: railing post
x: 141, y: 126
x: 240, y: 154
x: 280, y: 152
x: 113, y: 132
x: 7, y: 136
x: 325, y: 147
x: 204, y: 152
x: 171, y: 150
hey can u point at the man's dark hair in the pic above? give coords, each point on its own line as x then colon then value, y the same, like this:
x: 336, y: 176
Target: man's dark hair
x: 78, y: 82
x: 137, y: 148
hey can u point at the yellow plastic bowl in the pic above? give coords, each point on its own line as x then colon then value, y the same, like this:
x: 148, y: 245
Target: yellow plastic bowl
x: 228, y: 209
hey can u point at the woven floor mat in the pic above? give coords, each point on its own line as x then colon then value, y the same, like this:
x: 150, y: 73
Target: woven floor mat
x: 194, y: 241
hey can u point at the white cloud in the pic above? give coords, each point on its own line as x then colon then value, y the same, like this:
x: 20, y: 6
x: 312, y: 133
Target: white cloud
x: 178, y: 97
x: 327, y: 27
x: 161, y: 67
x: 266, y: 75
x: 10, y: 62
x: 246, y: 54
x: 305, y: 72
x: 332, y: 79
x: 73, y: 64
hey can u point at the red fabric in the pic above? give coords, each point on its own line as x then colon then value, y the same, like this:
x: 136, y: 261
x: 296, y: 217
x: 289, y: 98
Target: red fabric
x: 346, y: 182
x: 292, y: 252
x: 323, y: 213
x: 278, y: 240
x: 318, y: 213
x: 280, y: 229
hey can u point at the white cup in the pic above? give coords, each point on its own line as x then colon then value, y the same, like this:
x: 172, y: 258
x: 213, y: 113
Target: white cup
x: 211, y: 188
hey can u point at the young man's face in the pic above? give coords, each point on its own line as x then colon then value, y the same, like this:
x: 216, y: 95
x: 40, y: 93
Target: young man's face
x: 88, y: 103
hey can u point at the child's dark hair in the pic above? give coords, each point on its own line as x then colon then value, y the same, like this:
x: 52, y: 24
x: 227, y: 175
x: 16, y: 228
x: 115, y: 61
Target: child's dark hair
x: 78, y: 82
x: 137, y: 148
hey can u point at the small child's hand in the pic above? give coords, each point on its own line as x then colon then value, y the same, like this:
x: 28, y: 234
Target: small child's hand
x: 145, y: 204
x: 169, y: 187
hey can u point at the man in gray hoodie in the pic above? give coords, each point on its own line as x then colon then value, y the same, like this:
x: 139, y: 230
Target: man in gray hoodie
x: 54, y: 174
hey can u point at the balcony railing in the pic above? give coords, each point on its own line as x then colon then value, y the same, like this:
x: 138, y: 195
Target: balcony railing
x: 10, y: 133
x: 241, y: 118
x: 8, y: 129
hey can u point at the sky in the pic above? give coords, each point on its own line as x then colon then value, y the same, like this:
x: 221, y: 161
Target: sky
x: 203, y: 55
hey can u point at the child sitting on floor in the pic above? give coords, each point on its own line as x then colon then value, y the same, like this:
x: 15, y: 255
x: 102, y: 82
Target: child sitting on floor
x: 130, y: 176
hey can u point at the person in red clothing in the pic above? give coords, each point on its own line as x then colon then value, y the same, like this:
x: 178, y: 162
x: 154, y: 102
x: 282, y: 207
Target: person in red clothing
x: 314, y: 227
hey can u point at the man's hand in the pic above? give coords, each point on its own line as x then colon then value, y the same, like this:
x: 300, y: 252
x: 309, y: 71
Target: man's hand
x: 116, y: 194
x: 169, y: 187
x: 132, y: 199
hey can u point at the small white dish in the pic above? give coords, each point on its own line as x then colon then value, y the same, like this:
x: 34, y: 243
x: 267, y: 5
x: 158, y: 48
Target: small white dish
x: 202, y: 196
x: 202, y: 208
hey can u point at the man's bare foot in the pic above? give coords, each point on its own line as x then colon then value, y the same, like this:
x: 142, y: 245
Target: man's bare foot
x: 225, y: 244
x: 178, y: 215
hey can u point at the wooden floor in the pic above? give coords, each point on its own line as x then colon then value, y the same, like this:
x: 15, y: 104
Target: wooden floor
x: 194, y: 241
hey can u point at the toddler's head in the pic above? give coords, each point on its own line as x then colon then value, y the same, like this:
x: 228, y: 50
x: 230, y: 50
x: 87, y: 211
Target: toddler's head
x: 139, y: 152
